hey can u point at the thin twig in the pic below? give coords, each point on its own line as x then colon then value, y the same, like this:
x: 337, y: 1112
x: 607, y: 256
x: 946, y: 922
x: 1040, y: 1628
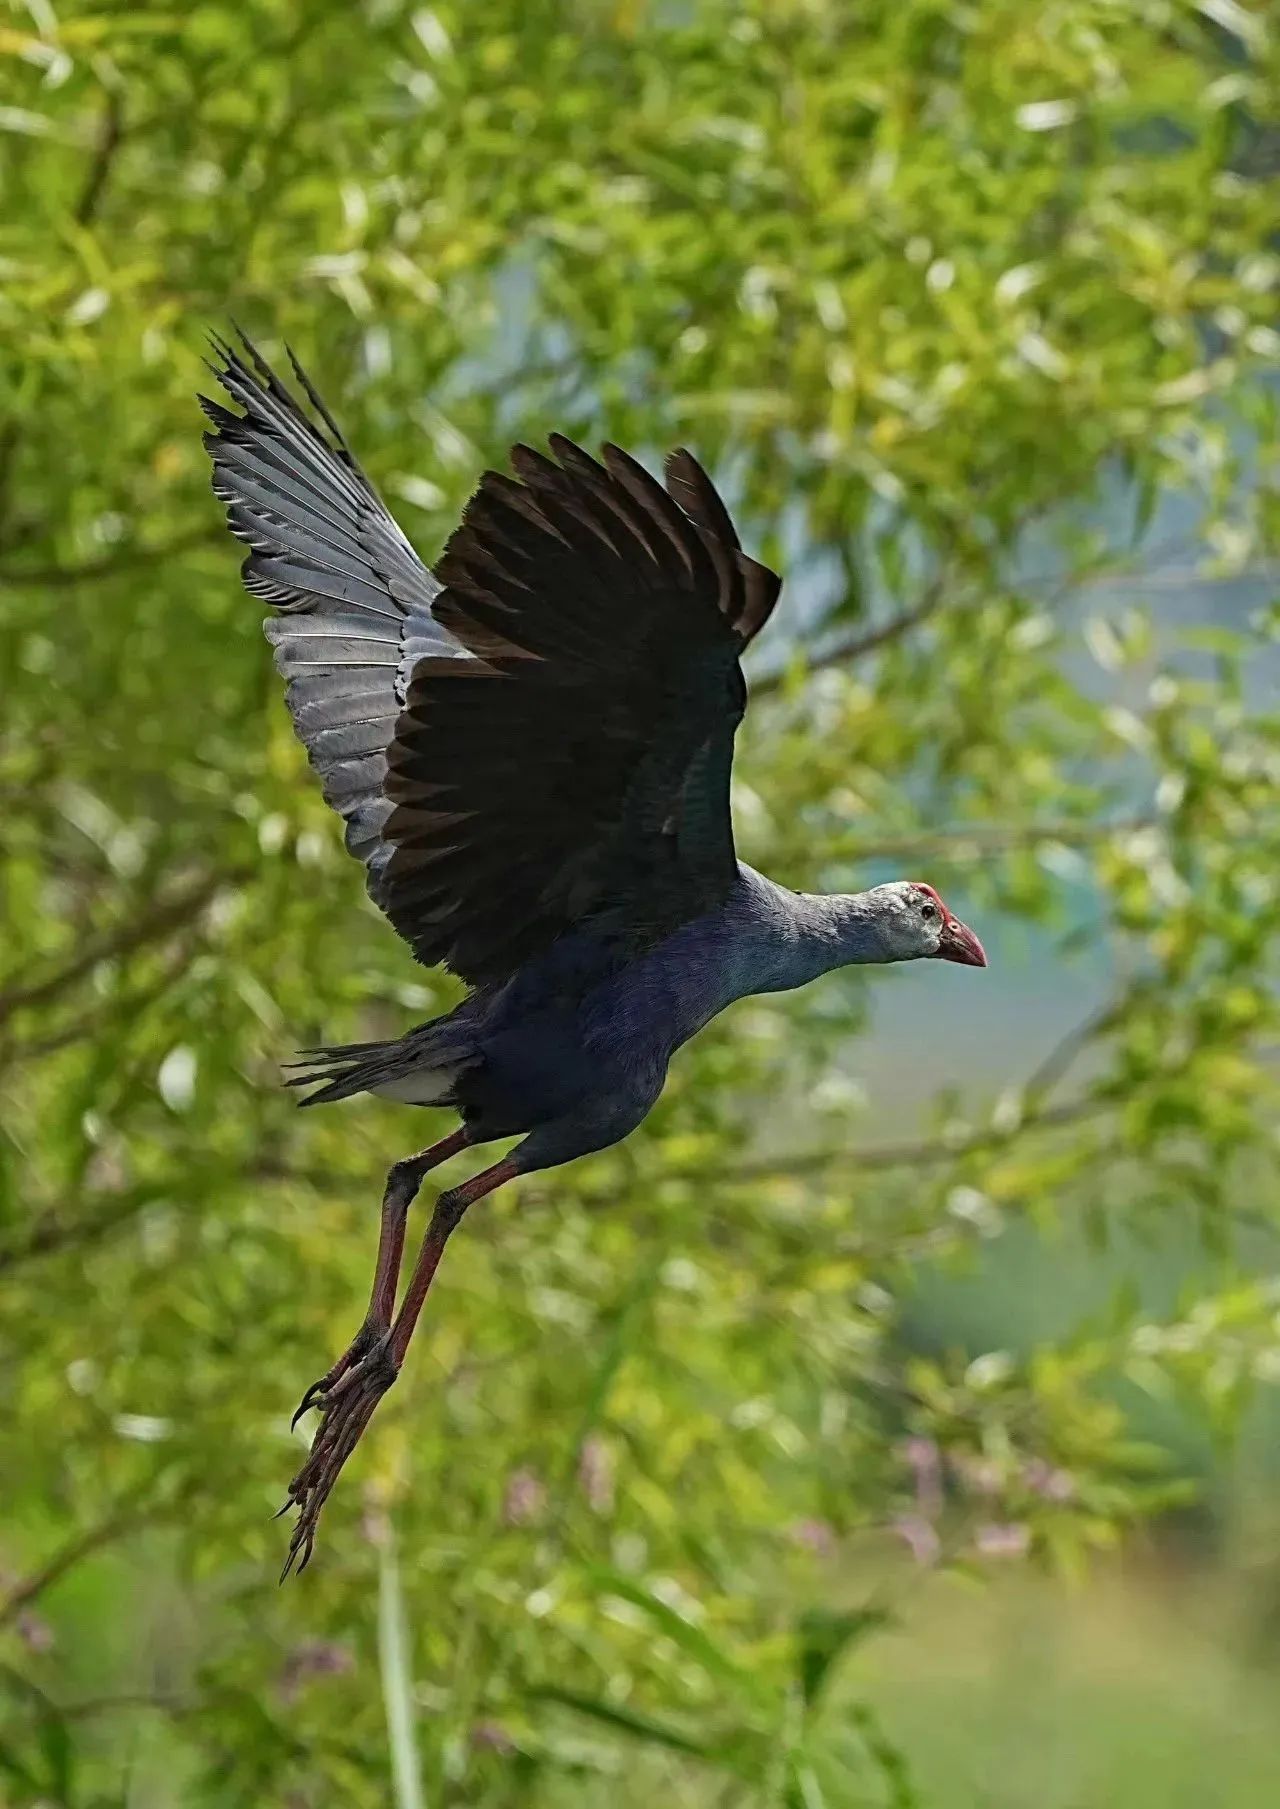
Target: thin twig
x: 923, y: 1153
x: 859, y: 642
x: 930, y: 1151
x: 111, y: 565
x: 9, y: 438
x: 169, y: 914
x: 126, y: 1006
x: 89, y: 1706
x: 1045, y: 1077
x: 854, y: 646
x: 110, y: 135
x: 125, y: 1518
x: 960, y: 839
x: 1192, y: 578
x: 51, y: 1231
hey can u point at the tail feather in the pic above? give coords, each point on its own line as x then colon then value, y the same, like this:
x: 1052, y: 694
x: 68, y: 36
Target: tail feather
x: 419, y: 1069
x: 330, y: 1051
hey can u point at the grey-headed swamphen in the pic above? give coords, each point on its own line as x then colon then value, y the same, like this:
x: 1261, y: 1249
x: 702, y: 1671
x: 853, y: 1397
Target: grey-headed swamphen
x: 530, y: 748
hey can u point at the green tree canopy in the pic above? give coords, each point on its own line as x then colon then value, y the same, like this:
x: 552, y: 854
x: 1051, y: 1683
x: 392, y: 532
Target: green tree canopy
x: 972, y: 308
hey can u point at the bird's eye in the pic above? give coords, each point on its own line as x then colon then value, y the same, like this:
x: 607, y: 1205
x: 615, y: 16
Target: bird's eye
x: 927, y: 911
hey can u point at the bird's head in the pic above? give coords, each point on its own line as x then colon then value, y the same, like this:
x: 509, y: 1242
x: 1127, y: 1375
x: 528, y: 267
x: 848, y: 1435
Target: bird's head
x: 915, y: 925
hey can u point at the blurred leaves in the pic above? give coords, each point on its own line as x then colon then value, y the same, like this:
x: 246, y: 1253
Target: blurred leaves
x: 958, y: 301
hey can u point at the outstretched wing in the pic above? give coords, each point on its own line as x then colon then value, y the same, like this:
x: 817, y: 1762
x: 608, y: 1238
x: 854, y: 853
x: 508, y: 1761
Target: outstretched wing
x: 579, y: 773
x: 537, y: 738
x: 354, y: 600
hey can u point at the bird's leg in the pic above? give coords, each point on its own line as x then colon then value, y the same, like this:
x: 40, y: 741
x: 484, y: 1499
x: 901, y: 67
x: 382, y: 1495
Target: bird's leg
x: 445, y: 1219
x: 403, y: 1182
x: 348, y: 1406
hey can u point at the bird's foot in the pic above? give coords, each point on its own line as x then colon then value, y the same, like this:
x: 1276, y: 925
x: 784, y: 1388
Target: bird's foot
x: 346, y: 1407
x: 365, y: 1341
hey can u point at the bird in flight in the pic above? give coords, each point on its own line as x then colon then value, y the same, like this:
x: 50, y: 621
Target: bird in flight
x: 530, y: 747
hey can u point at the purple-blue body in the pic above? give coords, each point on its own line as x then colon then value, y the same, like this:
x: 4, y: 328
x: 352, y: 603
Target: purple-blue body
x: 573, y: 1050
x: 530, y: 747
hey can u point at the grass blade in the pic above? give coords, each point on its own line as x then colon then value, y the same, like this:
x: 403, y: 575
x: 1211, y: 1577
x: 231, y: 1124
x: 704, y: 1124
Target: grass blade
x: 397, y: 1681
x: 625, y: 1721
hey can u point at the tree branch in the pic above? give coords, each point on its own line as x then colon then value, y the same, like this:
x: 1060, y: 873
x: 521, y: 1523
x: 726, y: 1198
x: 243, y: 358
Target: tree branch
x: 860, y: 641
x: 957, y: 840
x: 112, y: 564
x: 920, y: 1153
x: 930, y: 1151
x: 8, y: 448
x: 125, y: 1518
x: 169, y: 914
x: 126, y: 1006
x: 89, y: 1706
x: 51, y: 1231
x: 110, y: 135
x: 1045, y: 1077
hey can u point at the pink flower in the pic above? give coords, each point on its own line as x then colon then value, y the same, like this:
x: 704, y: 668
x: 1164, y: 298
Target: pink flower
x: 595, y: 1474
x: 920, y: 1537
x: 816, y: 1536
x: 34, y: 1631
x: 1050, y: 1483
x: 313, y: 1658
x: 979, y: 1475
x: 924, y: 1460
x: 524, y: 1500
x: 491, y: 1736
x: 1007, y: 1539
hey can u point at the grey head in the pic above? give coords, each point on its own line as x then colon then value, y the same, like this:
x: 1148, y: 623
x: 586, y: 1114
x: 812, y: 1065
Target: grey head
x: 906, y: 920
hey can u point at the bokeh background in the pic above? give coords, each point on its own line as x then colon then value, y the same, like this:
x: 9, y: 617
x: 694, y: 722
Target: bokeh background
x: 891, y: 1421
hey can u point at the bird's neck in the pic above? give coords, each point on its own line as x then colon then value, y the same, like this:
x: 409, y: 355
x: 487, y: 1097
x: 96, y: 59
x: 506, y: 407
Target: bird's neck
x: 839, y: 929
x: 820, y: 931
x: 763, y: 939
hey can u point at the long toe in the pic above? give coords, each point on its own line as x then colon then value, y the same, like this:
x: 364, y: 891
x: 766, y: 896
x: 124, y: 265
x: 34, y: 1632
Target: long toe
x: 346, y: 1412
x: 361, y: 1346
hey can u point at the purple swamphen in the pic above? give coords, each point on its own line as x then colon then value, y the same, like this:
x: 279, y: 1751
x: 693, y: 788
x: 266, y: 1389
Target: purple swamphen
x: 530, y: 748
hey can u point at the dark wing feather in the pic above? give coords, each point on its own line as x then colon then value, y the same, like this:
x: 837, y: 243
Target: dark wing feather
x: 540, y: 735
x: 577, y: 771
x: 353, y: 598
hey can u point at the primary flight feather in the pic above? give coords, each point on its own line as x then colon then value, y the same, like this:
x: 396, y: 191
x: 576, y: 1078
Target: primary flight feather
x: 530, y: 749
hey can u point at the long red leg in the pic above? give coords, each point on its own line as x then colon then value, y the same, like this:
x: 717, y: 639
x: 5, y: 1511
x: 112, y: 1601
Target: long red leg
x: 348, y: 1404
x: 403, y: 1182
x: 445, y: 1219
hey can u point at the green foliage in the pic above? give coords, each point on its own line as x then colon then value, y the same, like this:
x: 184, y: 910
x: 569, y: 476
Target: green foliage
x: 958, y: 298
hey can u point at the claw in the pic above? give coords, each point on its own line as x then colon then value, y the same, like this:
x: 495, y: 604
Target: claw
x: 323, y: 1388
x: 305, y: 1545
x: 320, y: 1390
x: 346, y: 1410
x: 309, y: 1399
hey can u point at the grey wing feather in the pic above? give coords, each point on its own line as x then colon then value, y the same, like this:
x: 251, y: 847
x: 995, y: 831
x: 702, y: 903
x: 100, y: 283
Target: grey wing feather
x: 354, y: 599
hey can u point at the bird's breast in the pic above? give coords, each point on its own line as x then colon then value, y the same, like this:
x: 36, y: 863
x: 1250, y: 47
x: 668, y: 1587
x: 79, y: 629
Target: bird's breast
x: 665, y: 996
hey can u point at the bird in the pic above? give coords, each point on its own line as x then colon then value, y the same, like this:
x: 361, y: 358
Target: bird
x: 530, y: 747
